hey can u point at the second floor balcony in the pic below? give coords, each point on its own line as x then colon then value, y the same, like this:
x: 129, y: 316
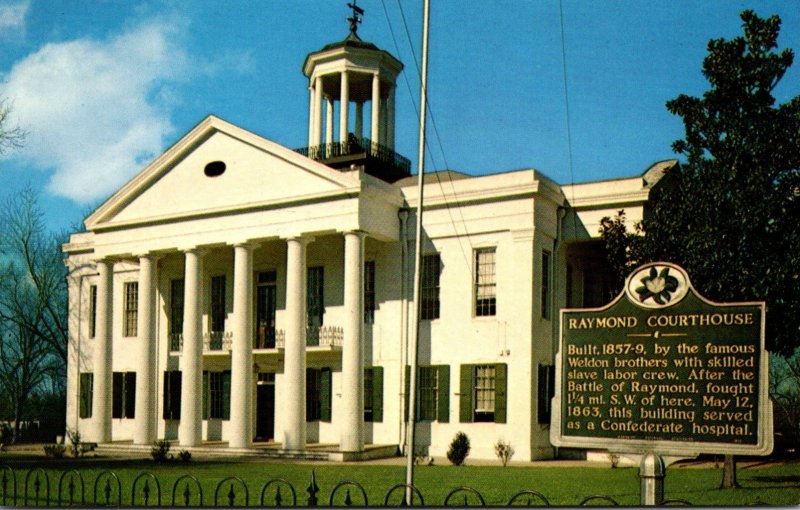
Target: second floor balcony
x: 264, y: 339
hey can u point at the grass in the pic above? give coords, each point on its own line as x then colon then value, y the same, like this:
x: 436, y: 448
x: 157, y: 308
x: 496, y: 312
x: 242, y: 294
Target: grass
x: 772, y: 484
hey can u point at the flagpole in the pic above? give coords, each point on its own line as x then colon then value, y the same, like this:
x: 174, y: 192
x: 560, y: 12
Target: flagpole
x: 412, y: 385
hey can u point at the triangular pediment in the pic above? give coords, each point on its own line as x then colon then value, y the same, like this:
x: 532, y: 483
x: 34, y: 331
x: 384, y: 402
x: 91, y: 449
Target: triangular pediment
x: 257, y: 173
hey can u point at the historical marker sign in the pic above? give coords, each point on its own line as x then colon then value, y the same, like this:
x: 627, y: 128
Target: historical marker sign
x: 662, y: 369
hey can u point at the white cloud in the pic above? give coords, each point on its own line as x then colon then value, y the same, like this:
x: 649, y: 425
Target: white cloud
x: 94, y: 109
x: 12, y: 17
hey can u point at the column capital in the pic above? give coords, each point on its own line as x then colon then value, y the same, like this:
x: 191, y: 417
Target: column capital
x: 360, y: 233
x: 305, y: 240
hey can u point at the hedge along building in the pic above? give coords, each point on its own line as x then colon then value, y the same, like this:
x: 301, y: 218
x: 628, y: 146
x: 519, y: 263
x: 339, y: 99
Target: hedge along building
x: 236, y: 290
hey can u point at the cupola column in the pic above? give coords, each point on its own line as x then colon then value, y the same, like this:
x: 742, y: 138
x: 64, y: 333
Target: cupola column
x: 376, y: 109
x: 311, y: 114
x: 390, y: 119
x: 317, y: 138
x: 328, y: 120
x: 344, y: 106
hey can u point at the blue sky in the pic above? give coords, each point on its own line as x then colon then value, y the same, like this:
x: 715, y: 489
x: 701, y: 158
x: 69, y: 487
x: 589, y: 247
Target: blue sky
x: 104, y: 86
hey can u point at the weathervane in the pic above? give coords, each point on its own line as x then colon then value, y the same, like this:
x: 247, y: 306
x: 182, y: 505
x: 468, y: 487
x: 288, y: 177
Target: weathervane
x: 356, y: 18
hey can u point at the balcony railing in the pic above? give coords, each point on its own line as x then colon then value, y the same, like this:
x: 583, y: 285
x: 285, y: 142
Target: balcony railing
x: 354, y: 146
x: 217, y: 341
x: 324, y: 336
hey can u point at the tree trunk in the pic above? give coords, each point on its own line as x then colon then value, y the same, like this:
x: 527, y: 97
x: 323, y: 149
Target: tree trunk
x: 17, y: 418
x: 729, y: 473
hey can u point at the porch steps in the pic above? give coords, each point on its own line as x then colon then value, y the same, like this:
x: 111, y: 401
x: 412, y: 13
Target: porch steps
x: 313, y: 451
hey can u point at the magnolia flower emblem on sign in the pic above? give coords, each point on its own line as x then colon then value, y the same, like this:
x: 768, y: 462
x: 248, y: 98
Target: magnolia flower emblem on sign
x: 656, y: 285
x: 659, y: 286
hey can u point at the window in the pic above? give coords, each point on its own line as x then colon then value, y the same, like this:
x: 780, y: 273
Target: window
x: 131, y: 309
x: 483, y: 393
x: 315, y: 304
x: 433, y: 393
x: 428, y: 390
x: 218, y: 304
x: 92, y: 311
x: 266, y: 293
x: 485, y: 282
x: 217, y: 395
x: 176, y: 289
x: 318, y: 394
x: 547, y: 375
x: 123, y: 402
x: 429, y: 288
x: 86, y: 388
x: 369, y: 292
x: 545, y: 284
x: 373, y: 394
x: 172, y: 395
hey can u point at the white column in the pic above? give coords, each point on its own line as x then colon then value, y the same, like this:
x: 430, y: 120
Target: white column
x: 241, y: 435
x: 190, y: 429
x: 294, y: 365
x: 352, y: 428
x: 311, y: 115
x: 344, y: 106
x: 145, y: 428
x: 376, y: 109
x: 390, y: 117
x: 317, y: 111
x: 101, y: 397
x: 328, y: 120
x: 359, y: 120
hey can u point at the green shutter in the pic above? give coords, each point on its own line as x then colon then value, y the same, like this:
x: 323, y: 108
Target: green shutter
x: 325, y: 395
x: 500, y: 378
x: 311, y: 395
x: 377, y: 394
x: 130, y: 395
x: 166, y: 409
x: 466, y: 389
x: 226, y: 395
x: 86, y: 395
x: 443, y: 397
x: 205, y: 395
x: 116, y: 397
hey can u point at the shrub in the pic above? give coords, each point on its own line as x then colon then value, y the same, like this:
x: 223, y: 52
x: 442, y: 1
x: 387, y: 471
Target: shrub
x: 504, y: 451
x: 459, y: 449
x: 160, y: 450
x: 185, y: 455
x: 54, y: 451
x: 75, y: 442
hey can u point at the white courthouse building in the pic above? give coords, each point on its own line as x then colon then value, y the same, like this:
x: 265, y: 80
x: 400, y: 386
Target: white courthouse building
x: 238, y: 293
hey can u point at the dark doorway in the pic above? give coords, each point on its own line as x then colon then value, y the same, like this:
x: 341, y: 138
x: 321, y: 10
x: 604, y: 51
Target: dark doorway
x: 265, y: 407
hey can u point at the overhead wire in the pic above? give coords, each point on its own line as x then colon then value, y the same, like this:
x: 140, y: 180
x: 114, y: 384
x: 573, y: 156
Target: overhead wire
x: 461, y: 237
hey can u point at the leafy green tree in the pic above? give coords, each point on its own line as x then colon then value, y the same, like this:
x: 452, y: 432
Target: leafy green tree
x: 730, y: 215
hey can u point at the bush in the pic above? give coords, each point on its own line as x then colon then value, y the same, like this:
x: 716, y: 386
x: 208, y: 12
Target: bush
x: 75, y: 442
x: 54, y: 451
x: 504, y: 451
x: 160, y: 450
x: 185, y: 455
x: 459, y: 449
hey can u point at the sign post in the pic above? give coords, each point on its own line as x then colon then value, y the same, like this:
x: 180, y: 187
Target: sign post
x: 663, y: 371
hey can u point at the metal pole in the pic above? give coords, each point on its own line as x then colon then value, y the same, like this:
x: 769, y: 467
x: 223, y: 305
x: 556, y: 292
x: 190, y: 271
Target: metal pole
x: 651, y: 475
x: 412, y: 386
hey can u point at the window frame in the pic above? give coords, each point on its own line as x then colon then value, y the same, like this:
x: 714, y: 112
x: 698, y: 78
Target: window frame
x: 92, y: 311
x: 123, y: 395
x: 430, y: 287
x: 217, y: 305
x: 546, y: 283
x: 484, y: 306
x: 86, y: 394
x: 130, y: 322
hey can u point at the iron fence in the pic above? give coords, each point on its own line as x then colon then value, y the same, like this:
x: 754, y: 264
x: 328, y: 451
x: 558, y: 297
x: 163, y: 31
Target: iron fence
x: 33, y: 488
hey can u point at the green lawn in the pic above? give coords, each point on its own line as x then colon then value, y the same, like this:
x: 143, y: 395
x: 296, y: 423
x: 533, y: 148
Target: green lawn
x: 773, y: 484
